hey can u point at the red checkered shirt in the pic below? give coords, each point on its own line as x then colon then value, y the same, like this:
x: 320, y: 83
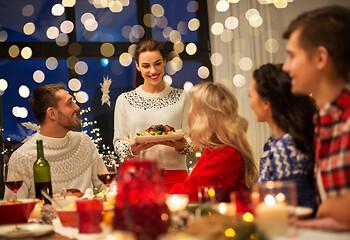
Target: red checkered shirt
x: 332, y: 144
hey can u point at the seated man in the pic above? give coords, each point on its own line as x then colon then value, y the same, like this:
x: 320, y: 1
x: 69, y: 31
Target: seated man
x: 318, y: 63
x: 73, y: 158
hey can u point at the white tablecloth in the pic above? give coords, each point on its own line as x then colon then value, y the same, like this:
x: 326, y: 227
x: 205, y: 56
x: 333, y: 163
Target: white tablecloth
x: 311, y: 234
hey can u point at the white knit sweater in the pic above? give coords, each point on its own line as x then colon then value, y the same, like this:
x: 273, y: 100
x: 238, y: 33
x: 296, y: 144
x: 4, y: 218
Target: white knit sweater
x: 137, y: 110
x: 74, y: 163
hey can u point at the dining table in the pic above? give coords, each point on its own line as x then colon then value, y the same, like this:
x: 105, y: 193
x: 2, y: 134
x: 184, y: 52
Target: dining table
x: 302, y: 234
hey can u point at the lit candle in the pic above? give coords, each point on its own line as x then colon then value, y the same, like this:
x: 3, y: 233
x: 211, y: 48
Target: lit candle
x: 110, y: 197
x: 177, y: 202
x: 272, y: 216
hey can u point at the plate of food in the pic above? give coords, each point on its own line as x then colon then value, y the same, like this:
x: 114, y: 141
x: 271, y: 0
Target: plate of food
x: 24, y: 230
x: 159, y: 133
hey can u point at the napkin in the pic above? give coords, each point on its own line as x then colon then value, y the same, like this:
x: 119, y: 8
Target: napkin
x: 73, y: 233
x: 323, y: 224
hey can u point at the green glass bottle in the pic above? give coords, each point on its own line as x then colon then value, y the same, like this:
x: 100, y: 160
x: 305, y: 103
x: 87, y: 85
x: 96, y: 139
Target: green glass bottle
x: 42, y: 174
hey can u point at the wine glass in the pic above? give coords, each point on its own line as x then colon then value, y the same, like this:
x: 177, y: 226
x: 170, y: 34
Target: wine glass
x: 12, y: 180
x: 110, y: 176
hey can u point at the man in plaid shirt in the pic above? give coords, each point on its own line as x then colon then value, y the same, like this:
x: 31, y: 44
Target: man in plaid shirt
x: 318, y: 62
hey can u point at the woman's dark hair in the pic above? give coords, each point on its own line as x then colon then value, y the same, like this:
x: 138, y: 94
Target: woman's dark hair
x: 294, y: 114
x: 145, y: 45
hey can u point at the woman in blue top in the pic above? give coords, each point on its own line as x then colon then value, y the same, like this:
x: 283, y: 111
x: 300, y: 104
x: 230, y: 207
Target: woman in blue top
x: 289, y: 152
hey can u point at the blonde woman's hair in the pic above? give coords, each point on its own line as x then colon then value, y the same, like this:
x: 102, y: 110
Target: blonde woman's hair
x: 214, y: 123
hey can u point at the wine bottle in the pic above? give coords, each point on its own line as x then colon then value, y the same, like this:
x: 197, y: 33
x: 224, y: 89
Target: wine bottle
x: 42, y: 174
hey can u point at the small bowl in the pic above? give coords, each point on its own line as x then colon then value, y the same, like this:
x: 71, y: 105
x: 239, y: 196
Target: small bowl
x: 68, y: 218
x: 18, y: 212
x: 67, y: 203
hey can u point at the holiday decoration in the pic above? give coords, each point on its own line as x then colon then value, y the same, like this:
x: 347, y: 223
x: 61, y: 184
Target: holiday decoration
x: 105, y: 90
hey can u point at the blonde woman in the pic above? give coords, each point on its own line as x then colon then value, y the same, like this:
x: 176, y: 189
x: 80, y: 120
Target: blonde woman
x: 218, y: 129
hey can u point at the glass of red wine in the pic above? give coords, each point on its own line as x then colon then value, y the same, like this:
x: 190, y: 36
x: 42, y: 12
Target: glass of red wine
x: 111, y: 174
x: 12, y: 180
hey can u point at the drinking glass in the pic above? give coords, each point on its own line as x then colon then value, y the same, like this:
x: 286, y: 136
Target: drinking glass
x: 111, y: 175
x: 12, y: 181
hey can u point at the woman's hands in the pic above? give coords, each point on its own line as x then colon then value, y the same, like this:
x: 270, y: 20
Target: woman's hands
x: 136, y: 148
x: 179, y: 145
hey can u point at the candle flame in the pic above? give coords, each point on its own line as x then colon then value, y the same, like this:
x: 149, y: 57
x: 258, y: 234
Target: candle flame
x: 222, y: 208
x: 270, y: 200
x: 280, y: 197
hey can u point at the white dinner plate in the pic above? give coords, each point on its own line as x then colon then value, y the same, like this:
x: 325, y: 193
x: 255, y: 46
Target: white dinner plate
x: 303, y: 212
x: 24, y: 230
x: 159, y: 138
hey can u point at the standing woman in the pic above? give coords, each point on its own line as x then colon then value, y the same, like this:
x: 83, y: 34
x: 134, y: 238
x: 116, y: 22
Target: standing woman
x: 153, y: 102
x: 218, y: 129
x: 289, y: 152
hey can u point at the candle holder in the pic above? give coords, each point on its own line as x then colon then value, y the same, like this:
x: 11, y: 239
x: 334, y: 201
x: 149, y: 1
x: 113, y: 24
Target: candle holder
x: 275, y: 204
x: 177, y: 204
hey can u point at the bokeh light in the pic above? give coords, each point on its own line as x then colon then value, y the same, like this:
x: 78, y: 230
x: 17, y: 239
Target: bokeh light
x: 246, y: 63
x: 226, y: 35
x: 115, y: 6
x: 14, y: 51
x: 74, y: 84
x: 81, y: 67
x: 27, y: 10
x: 239, y: 80
x: 222, y: 6
x: 107, y: 49
x: 52, y: 32
x: 26, y: 52
x: 192, y: 6
x: 62, y: 39
x: 272, y: 45
x: 280, y: 3
x: 216, y: 59
x: 203, y: 72
x: 251, y: 12
x: 193, y: 24
x: 125, y: 59
x: 29, y: 28
x: 179, y: 47
x: 255, y: 21
x: 104, y: 62
x: 175, y: 36
x: 217, y: 28
x: 51, y: 63
x: 3, y: 84
x: 168, y: 80
x: 3, y: 36
x: 157, y: 10
x: 137, y: 31
x: 149, y: 20
x: 23, y: 91
x: 231, y: 23
x: 67, y: 26
x: 161, y: 22
x: 68, y: 3
x: 57, y: 9
x: 191, y: 48
x: 38, y: 76
x: 188, y: 86
x: 82, y: 97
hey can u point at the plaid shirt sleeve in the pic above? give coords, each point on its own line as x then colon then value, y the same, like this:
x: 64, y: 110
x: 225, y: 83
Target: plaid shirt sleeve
x: 332, y: 145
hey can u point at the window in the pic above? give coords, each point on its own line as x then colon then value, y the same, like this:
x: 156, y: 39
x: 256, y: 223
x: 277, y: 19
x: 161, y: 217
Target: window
x: 44, y: 42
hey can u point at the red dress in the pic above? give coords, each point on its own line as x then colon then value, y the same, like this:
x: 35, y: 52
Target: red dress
x: 224, y: 167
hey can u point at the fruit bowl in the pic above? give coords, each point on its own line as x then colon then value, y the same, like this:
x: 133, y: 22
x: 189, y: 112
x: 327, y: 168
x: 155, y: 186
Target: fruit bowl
x: 16, y: 211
